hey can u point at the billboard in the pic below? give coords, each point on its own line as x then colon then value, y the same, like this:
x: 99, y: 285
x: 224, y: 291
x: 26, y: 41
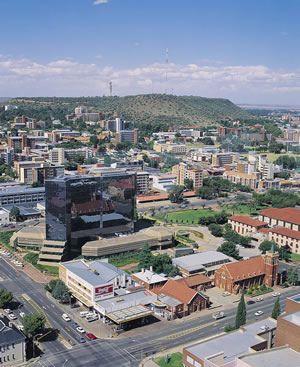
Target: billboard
x: 104, y: 290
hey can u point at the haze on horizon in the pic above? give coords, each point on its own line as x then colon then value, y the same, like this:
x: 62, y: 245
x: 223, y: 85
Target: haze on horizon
x: 242, y: 50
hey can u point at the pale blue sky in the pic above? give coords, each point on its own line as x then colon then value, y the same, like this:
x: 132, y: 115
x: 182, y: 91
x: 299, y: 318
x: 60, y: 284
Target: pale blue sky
x: 245, y: 50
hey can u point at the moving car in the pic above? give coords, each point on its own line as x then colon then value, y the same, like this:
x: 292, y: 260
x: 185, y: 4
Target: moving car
x: 91, y: 336
x: 258, y: 313
x: 276, y: 294
x: 80, y: 330
x: 218, y: 315
x: 65, y: 317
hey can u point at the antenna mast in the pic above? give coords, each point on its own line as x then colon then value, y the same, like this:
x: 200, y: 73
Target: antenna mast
x: 110, y: 88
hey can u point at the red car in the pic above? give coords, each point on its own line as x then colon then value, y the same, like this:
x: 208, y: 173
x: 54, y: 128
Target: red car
x: 91, y: 336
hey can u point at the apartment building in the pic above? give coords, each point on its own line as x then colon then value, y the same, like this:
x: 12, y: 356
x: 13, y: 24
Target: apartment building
x: 30, y: 172
x: 92, y: 281
x: 130, y: 136
x: 142, y: 182
x: 171, y: 148
x: 222, y: 159
x: 182, y: 172
x: 252, y: 180
x: 57, y: 155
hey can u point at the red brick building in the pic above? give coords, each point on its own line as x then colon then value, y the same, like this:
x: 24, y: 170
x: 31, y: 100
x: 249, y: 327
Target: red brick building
x: 180, y: 300
x: 281, y: 217
x: 256, y: 271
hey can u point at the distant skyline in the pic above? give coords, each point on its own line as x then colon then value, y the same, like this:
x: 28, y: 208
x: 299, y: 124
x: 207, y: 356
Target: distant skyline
x: 244, y: 50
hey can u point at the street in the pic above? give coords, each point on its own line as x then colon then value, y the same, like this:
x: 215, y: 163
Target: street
x: 127, y: 350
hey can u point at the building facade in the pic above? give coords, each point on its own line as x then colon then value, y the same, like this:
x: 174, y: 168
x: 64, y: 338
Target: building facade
x: 12, y: 345
x: 245, y: 225
x: 78, y: 208
x: 256, y: 271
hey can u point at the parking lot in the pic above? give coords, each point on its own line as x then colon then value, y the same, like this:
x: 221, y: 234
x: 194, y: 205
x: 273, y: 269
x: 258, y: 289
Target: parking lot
x: 96, y: 327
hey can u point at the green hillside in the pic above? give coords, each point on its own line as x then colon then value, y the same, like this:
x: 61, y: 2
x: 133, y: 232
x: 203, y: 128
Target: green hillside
x: 169, y: 110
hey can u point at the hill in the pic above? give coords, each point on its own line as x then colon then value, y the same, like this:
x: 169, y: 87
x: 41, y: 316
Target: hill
x: 167, y: 110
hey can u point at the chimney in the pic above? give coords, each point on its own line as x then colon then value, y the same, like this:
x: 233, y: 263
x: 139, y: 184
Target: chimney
x: 143, y: 270
x: 151, y: 268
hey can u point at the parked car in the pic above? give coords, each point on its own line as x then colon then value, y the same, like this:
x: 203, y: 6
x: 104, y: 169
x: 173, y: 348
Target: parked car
x: 65, y: 317
x: 20, y: 327
x: 82, y: 340
x: 250, y: 302
x: 225, y: 294
x: 7, y: 310
x: 22, y: 314
x: 91, y: 336
x: 12, y: 316
x: 83, y: 313
x: 80, y: 330
x: 258, y: 313
x: 258, y: 299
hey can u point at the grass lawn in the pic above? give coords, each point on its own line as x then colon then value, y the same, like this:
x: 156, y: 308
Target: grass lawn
x: 175, y: 361
x: 4, y: 239
x: 295, y: 257
x: 189, y: 216
x: 240, y: 209
x: 125, y: 259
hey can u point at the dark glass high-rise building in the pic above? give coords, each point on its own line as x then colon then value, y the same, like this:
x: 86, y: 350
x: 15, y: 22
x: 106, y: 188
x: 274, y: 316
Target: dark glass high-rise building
x: 80, y: 207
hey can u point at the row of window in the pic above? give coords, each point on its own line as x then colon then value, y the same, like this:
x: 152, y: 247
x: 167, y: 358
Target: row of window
x: 3, y: 348
x: 7, y: 358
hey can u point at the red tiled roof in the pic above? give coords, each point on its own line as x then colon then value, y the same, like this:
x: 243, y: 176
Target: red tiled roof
x: 264, y: 230
x: 286, y: 232
x: 291, y: 215
x: 245, y: 269
x: 195, y: 280
x: 179, y: 291
x: 245, y: 219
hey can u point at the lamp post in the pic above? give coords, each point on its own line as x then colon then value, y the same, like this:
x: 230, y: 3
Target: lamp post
x: 34, y: 337
x: 65, y: 362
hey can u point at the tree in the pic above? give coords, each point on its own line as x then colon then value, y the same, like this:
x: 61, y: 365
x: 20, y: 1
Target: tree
x: 51, y: 285
x: 287, y: 162
x: 292, y: 277
x: 33, y: 323
x: 207, y: 193
x: 5, y: 297
x: 241, y: 313
x: 61, y: 292
x: 188, y: 184
x: 216, y: 230
x: 14, y: 212
x: 229, y: 249
x: 176, y: 194
x: 266, y: 245
x: 276, y: 309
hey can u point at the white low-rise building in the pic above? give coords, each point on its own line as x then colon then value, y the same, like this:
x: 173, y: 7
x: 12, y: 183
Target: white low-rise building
x: 92, y: 281
x: 4, y: 217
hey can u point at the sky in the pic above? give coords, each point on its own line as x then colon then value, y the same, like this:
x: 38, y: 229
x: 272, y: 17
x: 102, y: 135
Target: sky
x: 244, y: 50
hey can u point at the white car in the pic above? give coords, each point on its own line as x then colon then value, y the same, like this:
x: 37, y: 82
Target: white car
x: 258, y: 313
x: 259, y: 299
x: 80, y: 330
x: 7, y: 310
x: 276, y: 294
x: 22, y: 314
x: 65, y: 317
x: 20, y: 327
x: 12, y: 316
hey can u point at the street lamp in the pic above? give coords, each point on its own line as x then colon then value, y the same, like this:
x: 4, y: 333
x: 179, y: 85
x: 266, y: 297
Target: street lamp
x: 34, y: 337
x: 65, y: 362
